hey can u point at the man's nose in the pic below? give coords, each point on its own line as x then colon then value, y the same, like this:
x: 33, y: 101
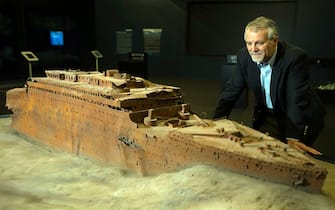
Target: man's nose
x: 254, y: 48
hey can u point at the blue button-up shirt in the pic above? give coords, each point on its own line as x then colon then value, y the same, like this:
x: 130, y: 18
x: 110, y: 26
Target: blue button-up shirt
x: 265, y: 77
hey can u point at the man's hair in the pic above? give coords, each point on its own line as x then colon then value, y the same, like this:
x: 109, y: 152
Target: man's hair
x: 261, y: 23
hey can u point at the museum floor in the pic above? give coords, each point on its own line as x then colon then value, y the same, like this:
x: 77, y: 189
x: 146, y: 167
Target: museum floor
x: 35, y: 177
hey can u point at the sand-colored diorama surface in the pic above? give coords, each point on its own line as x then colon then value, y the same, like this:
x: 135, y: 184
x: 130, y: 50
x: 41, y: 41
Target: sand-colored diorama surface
x: 36, y: 177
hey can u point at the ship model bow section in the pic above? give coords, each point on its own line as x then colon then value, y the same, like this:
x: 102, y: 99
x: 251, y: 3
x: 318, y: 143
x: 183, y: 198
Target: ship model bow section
x: 143, y: 126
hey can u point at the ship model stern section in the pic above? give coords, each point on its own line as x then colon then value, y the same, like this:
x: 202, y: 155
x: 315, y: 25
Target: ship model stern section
x: 85, y: 112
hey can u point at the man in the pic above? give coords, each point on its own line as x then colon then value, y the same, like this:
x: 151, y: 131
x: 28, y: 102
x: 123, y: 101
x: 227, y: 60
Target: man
x: 286, y: 106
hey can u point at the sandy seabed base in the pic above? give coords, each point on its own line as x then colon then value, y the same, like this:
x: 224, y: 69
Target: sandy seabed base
x: 36, y: 177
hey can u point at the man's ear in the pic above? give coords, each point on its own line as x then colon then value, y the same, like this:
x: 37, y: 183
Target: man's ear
x: 276, y: 40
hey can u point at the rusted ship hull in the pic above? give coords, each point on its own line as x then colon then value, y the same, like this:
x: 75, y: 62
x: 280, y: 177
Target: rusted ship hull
x: 77, y: 124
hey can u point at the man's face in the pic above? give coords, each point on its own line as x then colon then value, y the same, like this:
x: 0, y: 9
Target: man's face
x: 259, y: 46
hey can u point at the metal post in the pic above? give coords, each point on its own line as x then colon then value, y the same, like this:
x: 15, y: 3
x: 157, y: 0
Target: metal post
x: 97, y: 64
x: 30, y: 70
x: 97, y: 55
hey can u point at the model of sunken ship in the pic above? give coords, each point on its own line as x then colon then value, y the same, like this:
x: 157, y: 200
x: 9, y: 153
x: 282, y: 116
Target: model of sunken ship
x: 146, y: 127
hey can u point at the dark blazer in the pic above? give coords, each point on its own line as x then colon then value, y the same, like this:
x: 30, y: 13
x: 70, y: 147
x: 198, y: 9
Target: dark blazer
x: 295, y: 103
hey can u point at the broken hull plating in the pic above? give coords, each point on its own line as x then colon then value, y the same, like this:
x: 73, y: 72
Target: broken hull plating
x: 119, y: 137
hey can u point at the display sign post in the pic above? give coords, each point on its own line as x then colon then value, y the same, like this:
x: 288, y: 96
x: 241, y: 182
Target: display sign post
x: 97, y: 55
x: 30, y: 57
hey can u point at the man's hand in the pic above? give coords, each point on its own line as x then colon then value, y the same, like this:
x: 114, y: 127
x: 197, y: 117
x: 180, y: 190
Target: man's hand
x: 296, y: 143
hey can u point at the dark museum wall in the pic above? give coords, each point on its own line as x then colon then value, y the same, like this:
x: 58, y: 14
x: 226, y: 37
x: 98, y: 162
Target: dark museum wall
x: 196, y: 37
x: 25, y: 26
x: 119, y: 15
x: 308, y: 24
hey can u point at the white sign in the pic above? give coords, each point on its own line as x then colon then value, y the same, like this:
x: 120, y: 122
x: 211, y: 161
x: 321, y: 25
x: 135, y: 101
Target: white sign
x: 152, y: 39
x: 124, y: 41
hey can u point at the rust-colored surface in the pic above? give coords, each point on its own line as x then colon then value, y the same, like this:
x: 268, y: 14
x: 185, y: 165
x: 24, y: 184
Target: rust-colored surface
x: 133, y: 123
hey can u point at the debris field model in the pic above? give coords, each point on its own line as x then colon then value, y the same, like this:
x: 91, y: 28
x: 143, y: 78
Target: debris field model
x: 146, y: 127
